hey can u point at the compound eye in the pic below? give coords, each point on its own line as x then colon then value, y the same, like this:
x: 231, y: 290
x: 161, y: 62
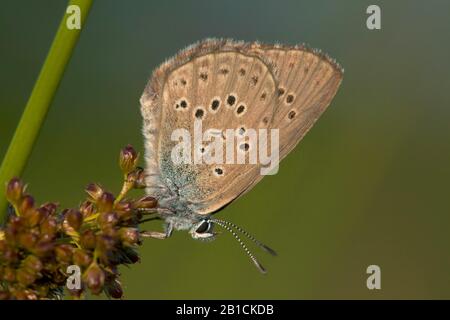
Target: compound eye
x: 203, y: 227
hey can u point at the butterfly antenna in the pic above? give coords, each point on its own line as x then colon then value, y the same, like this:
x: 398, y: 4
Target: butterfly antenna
x: 248, y: 235
x: 247, y: 251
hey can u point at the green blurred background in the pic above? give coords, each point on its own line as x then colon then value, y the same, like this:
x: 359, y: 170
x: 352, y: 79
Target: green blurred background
x: 368, y: 185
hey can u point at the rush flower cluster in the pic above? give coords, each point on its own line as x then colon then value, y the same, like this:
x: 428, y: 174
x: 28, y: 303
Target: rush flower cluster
x: 38, y: 243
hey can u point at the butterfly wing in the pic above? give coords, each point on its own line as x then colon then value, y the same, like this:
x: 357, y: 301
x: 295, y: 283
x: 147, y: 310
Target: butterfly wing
x: 229, y: 85
x: 307, y: 82
x: 221, y: 84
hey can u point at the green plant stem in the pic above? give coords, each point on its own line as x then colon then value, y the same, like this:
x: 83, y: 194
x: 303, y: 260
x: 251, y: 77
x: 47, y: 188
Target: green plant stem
x: 40, y: 99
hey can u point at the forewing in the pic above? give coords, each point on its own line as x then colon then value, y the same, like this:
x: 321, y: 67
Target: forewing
x: 307, y: 82
x: 187, y: 88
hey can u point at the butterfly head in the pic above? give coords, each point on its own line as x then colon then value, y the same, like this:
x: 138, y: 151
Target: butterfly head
x: 203, y: 229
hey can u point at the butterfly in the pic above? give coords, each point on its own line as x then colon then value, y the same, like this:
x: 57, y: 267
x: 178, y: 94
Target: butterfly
x: 226, y: 84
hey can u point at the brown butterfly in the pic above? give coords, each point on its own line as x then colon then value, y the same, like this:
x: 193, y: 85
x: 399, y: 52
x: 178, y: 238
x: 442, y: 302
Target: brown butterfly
x: 226, y: 84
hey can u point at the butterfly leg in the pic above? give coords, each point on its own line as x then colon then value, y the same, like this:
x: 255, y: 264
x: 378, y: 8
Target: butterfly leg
x: 157, y: 234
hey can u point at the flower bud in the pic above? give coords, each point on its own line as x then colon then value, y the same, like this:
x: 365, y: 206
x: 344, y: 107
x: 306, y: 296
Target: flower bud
x: 129, y: 236
x: 43, y: 248
x: 48, y: 209
x: 28, y: 240
x: 32, y: 263
x: 49, y: 226
x: 94, y: 191
x: 123, y: 206
x: 87, y: 239
x: 131, y: 255
x: 146, y: 202
x: 105, y: 243
x: 105, y: 202
x: 64, y: 253
x: 74, y: 218
x: 94, y: 277
x: 15, y: 223
x: 139, y: 183
x: 137, y: 178
x: 128, y: 159
x: 14, y: 190
x: 81, y: 258
x: 87, y: 208
x: 124, y: 210
x: 25, y: 277
x: 32, y: 217
x: 114, y: 289
x: 111, y: 233
x: 27, y: 203
x: 106, y: 250
x: 107, y: 219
